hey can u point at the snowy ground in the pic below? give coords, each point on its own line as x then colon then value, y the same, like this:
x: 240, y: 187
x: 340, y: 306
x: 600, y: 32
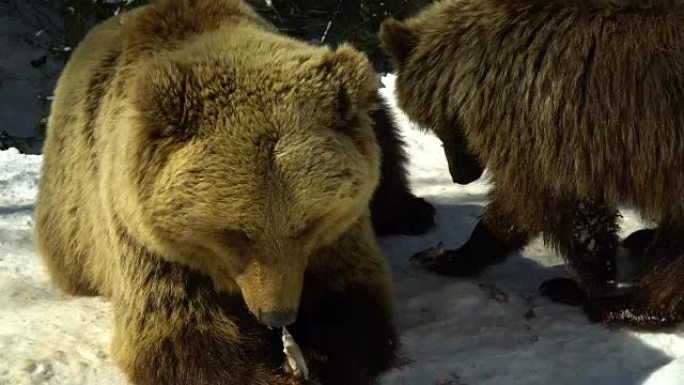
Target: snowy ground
x: 495, y: 330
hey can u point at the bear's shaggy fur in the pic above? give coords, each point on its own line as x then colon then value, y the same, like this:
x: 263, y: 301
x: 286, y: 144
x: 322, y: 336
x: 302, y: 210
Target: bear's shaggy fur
x: 200, y: 167
x: 575, y: 107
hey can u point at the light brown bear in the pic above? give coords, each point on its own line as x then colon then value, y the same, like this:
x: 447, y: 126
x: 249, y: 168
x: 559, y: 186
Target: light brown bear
x: 200, y: 167
x: 575, y: 107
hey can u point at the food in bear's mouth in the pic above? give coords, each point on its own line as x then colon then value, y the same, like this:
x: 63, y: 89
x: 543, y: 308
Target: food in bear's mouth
x: 294, y: 360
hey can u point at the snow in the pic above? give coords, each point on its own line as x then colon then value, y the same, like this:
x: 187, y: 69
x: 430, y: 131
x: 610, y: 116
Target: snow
x: 670, y: 374
x: 491, y: 330
x: 45, y: 337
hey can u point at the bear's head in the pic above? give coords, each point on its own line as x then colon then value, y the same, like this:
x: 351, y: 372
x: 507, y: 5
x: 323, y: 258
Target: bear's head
x: 421, y: 68
x: 250, y: 157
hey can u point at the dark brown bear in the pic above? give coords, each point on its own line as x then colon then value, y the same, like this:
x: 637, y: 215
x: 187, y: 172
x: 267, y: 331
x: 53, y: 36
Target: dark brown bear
x: 574, y: 107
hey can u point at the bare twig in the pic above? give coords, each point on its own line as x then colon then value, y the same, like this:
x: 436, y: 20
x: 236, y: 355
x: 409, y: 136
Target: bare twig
x: 327, y: 28
x: 332, y: 20
x: 269, y: 3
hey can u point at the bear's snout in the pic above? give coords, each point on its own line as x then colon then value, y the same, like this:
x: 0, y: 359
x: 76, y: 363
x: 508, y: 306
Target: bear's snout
x: 464, y: 168
x: 276, y: 318
x: 272, y: 289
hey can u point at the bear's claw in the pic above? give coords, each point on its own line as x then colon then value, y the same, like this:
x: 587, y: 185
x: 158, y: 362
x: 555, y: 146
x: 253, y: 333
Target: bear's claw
x: 429, y: 258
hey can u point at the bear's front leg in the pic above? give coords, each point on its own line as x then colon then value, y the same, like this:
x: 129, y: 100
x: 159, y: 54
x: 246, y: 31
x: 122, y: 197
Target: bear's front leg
x: 660, y: 272
x: 345, y: 322
x: 611, y: 289
x: 569, y: 291
x: 503, y: 230
x: 348, y: 337
x: 394, y: 208
x: 172, y: 328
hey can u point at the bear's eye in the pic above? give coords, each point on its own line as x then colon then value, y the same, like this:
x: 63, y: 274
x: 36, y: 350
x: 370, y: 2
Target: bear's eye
x: 307, y: 230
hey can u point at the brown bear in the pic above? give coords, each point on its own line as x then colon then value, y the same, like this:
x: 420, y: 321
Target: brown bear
x: 213, y: 178
x: 575, y: 107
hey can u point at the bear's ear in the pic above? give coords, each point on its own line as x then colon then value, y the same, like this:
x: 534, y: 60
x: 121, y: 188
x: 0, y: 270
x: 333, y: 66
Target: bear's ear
x: 168, y: 99
x: 397, y: 40
x: 356, y: 78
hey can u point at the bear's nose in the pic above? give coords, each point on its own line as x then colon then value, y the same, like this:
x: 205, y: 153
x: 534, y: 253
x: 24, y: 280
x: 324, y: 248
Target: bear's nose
x: 277, y: 318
